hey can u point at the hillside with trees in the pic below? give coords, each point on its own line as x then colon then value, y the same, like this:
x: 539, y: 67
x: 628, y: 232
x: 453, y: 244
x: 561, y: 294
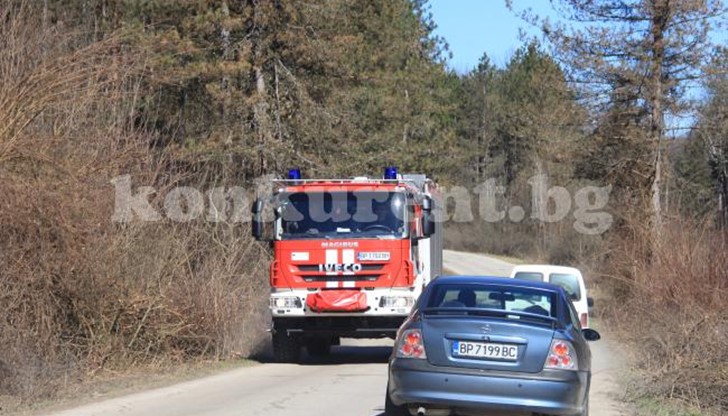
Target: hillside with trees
x: 213, y: 95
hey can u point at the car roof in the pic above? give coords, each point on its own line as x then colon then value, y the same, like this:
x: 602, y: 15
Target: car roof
x: 496, y: 280
x: 545, y: 268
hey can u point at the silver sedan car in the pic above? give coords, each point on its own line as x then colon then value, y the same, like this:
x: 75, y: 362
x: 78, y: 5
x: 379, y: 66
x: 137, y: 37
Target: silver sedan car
x: 476, y: 344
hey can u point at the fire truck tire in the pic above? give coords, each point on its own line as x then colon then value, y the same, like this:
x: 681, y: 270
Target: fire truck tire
x: 286, y: 349
x: 319, y: 347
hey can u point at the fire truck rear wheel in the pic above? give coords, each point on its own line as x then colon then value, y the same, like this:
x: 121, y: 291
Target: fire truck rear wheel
x: 286, y: 349
x: 319, y: 347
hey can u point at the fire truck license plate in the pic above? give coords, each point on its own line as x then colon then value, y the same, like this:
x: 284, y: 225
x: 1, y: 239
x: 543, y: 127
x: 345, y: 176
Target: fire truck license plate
x: 485, y: 350
x: 373, y: 255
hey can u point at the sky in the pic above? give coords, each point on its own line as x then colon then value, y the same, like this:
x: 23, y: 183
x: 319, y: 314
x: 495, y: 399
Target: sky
x: 472, y: 27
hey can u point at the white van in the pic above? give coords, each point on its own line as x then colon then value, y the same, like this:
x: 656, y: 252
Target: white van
x: 568, y: 278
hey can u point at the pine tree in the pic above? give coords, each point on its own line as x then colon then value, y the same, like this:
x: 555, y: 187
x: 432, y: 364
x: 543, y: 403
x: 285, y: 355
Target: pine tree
x: 655, y: 47
x: 712, y: 132
x: 521, y: 120
x: 336, y: 87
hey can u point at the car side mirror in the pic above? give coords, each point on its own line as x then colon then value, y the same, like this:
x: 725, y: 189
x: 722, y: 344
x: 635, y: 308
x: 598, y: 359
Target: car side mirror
x: 590, y: 334
x: 590, y: 302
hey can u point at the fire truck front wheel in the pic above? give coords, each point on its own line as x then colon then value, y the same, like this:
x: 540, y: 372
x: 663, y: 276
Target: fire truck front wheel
x: 286, y: 348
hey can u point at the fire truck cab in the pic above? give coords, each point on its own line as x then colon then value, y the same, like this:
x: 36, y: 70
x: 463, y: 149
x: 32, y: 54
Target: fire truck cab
x: 351, y: 256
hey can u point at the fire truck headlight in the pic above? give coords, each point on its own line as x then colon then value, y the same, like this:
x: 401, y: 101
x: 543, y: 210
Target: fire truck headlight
x: 285, y: 302
x: 396, y: 301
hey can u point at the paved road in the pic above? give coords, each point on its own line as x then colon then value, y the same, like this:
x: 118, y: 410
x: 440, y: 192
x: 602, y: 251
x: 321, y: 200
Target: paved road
x: 351, y: 382
x: 475, y: 264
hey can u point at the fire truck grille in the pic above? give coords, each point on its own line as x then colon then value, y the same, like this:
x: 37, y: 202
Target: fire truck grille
x: 364, y: 267
x: 352, y: 278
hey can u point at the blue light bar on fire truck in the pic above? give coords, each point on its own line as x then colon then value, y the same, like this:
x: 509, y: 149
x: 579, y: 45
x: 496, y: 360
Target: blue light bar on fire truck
x: 390, y: 172
x: 294, y: 174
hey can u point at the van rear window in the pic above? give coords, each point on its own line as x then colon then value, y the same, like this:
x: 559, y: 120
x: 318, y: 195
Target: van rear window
x: 569, y: 282
x: 529, y: 276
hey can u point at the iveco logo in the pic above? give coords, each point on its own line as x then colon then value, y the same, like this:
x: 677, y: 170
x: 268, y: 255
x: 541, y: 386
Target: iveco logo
x: 333, y: 267
x: 485, y: 329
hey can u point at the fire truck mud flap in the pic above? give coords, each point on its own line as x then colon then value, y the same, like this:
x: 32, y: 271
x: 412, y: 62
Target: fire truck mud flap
x: 337, y: 301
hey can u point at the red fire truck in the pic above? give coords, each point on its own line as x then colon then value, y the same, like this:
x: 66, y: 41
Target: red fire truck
x: 351, y: 256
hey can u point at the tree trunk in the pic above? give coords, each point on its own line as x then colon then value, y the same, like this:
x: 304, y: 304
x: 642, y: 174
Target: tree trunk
x: 658, y: 24
x: 261, y: 116
x: 723, y: 199
x: 261, y: 122
x: 482, y: 150
x: 655, y: 190
x: 719, y: 173
x: 45, y: 14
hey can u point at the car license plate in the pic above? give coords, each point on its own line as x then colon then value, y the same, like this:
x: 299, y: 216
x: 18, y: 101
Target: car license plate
x: 485, y: 350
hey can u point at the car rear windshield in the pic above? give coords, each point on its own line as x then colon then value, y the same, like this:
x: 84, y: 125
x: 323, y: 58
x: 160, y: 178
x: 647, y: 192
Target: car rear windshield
x: 570, y: 283
x: 507, y: 298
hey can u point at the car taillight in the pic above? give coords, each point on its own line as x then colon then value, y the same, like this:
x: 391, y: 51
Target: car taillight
x: 584, y: 319
x: 561, y: 356
x: 410, y: 345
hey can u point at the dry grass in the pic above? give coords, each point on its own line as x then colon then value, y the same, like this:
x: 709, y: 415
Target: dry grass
x: 672, y: 309
x: 80, y: 294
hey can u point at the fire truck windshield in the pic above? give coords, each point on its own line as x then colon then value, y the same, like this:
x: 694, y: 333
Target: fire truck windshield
x: 355, y: 214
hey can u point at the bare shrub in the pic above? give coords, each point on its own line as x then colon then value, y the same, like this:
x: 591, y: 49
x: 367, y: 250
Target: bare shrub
x: 79, y: 293
x: 165, y: 292
x: 671, y: 307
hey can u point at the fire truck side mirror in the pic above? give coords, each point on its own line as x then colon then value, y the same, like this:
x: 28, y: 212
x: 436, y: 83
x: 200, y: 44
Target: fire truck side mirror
x: 428, y: 224
x: 428, y: 217
x: 427, y: 204
x: 257, y: 222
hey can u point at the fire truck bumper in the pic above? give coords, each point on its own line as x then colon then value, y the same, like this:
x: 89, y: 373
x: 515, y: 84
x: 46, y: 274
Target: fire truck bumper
x: 352, y: 313
x: 375, y: 302
x: 340, y: 326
